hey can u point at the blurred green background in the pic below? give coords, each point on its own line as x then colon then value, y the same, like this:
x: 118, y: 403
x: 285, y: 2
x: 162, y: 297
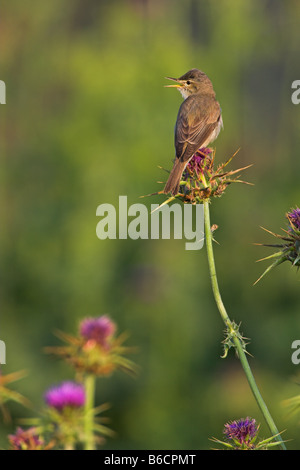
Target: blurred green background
x: 87, y: 119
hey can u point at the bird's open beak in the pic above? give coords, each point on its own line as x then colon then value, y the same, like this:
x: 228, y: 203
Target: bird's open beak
x: 179, y: 83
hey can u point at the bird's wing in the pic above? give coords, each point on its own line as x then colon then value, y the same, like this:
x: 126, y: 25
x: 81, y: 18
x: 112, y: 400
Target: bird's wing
x: 194, y: 126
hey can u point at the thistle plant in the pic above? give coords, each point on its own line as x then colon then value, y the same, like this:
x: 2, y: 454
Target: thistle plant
x: 70, y: 420
x: 65, y: 415
x: 199, y: 185
x: 292, y: 405
x: 242, y: 434
x: 7, y: 394
x: 94, y: 352
x: 29, y: 439
x: 201, y: 181
x: 289, y: 249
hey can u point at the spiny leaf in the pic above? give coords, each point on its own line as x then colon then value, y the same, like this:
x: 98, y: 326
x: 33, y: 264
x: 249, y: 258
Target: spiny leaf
x: 163, y: 203
x: 226, y: 444
x: 230, y: 158
x: 274, y: 255
x: 232, y: 172
x: 276, y: 263
x: 276, y: 234
x: 296, y: 260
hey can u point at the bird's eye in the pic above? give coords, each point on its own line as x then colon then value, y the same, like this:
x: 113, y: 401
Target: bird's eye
x: 188, y: 82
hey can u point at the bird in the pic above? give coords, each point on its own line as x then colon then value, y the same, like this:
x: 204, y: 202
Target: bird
x: 198, y: 123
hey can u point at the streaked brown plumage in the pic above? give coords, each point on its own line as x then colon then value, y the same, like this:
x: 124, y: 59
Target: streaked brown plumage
x: 199, y: 122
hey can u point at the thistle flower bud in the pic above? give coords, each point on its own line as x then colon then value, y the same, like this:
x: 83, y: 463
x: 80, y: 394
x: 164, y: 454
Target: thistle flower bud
x: 289, y: 250
x: 294, y: 219
x: 27, y: 439
x: 66, y: 395
x: 201, y: 181
x: 95, y: 350
x: 197, y: 164
x: 242, y: 434
x: 243, y: 431
x: 99, y: 329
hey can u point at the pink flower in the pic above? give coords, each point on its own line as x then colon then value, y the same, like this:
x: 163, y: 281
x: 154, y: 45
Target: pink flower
x: 67, y: 394
x: 98, y: 329
x: 294, y: 218
x: 26, y: 440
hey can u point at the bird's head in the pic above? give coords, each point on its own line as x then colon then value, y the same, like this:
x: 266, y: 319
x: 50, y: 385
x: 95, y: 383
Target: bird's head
x: 194, y: 81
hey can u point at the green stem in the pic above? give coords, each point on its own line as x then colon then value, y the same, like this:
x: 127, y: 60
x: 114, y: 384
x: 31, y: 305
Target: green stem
x: 230, y: 327
x: 90, y: 385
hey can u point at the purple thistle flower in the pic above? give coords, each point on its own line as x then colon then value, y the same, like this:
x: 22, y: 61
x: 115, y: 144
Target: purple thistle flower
x: 25, y: 440
x: 98, y: 329
x: 242, y: 430
x: 196, y: 162
x: 67, y: 394
x: 294, y: 218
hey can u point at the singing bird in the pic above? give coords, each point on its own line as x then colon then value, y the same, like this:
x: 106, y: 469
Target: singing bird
x: 199, y: 121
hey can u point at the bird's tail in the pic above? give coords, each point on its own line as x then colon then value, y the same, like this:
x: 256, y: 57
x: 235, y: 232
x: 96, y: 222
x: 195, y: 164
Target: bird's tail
x: 172, y: 185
